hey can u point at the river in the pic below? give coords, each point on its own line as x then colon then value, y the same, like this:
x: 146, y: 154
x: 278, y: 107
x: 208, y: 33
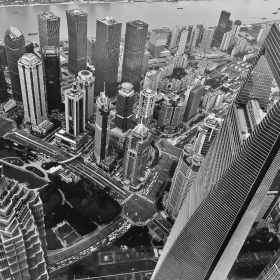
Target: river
x: 156, y: 14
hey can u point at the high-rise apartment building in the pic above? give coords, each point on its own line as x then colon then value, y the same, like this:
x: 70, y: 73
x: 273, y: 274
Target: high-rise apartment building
x: 23, y: 236
x: 108, y: 39
x: 15, y: 49
x: 171, y: 114
x: 75, y: 109
x: 227, y: 41
x: 145, y: 62
x: 146, y: 105
x: 185, y: 173
x: 51, y: 61
x: 3, y: 56
x: 85, y: 82
x: 136, y: 154
x: 102, y: 127
x: 134, y: 49
x: 272, y: 270
x: 180, y: 61
x: 124, y: 110
x: 193, y: 39
x: 236, y: 27
x: 263, y: 33
x: 158, y: 39
x: 4, y: 96
x: 190, y: 28
x: 193, y: 102
x: 48, y: 26
x: 183, y: 42
x: 207, y: 39
x: 250, y: 167
x: 151, y: 80
x: 222, y: 28
x: 174, y: 37
x: 77, y: 37
x: 241, y: 43
x: 32, y: 88
x: 91, y: 50
x: 230, y: 25
x: 199, y: 26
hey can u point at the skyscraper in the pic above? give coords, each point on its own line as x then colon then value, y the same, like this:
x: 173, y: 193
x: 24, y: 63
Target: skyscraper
x: 241, y: 43
x: 77, y: 36
x: 193, y: 39
x: 134, y: 49
x: 158, y: 39
x: 185, y: 173
x: 190, y: 28
x: 183, y: 42
x: 151, y: 80
x: 236, y: 195
x: 91, y: 50
x: 136, y: 154
x: 199, y: 26
x: 102, y: 127
x: 174, y: 37
x: 124, y: 110
x: 146, y: 105
x: 3, y: 57
x: 221, y: 28
x: 263, y: 33
x: 272, y: 270
x: 4, y: 97
x: 108, y: 38
x: 51, y: 62
x: 237, y: 26
x: 75, y: 110
x: 15, y: 49
x: 207, y: 39
x: 48, y: 26
x: 23, y: 236
x: 86, y: 83
x: 33, y: 89
x: 227, y: 40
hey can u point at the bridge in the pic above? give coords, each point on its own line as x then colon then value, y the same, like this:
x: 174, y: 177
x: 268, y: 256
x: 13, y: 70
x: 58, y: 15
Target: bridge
x: 70, y: 159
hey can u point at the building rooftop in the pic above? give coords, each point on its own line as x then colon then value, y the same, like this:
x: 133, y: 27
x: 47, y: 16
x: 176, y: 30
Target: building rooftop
x: 158, y: 31
x: 76, y: 12
x: 48, y: 16
x: 13, y: 32
x: 109, y: 20
x: 140, y: 129
x: 137, y: 23
x: 29, y: 59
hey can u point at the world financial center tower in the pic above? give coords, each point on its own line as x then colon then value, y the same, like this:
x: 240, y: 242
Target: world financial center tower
x: 221, y: 208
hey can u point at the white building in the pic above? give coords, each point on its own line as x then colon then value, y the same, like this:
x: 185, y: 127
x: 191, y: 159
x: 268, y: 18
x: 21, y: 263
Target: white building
x: 236, y: 27
x: 227, y: 40
x: 219, y: 99
x: 193, y: 39
x: 32, y: 88
x: 183, y: 42
x: 263, y: 33
x: 241, y: 43
x: 207, y: 39
x: 235, y: 51
x: 180, y: 61
x: 174, y: 37
x: 151, y: 80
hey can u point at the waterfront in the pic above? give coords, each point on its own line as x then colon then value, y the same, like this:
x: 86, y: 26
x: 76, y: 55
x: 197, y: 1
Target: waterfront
x: 156, y: 14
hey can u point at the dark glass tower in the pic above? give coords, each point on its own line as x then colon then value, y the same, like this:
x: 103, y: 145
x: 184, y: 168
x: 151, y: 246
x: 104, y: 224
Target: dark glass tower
x: 51, y: 61
x: 15, y: 49
x: 134, y: 48
x: 124, y: 110
x: 108, y: 38
x: 205, y: 243
x: 3, y: 57
x: 77, y: 35
x: 4, y: 97
x: 48, y: 26
x: 222, y: 27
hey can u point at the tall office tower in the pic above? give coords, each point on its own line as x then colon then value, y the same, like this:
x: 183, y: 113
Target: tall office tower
x: 190, y: 28
x: 102, y: 127
x: 199, y: 26
x: 171, y: 114
x: 124, y: 110
x: 263, y: 33
x: 4, y: 96
x: 85, y: 82
x: 33, y: 89
x: 77, y: 36
x: 136, y: 154
x: 236, y: 27
x: 250, y: 167
x: 185, y: 173
x: 183, y: 42
x: 108, y: 39
x: 48, y: 26
x: 3, y: 57
x: 151, y: 80
x: 241, y: 43
x: 219, y: 99
x: 91, y: 50
x: 227, y: 41
x: 206, y: 134
x: 51, y: 62
x: 75, y: 109
x: 221, y: 28
x: 272, y: 270
x: 207, y: 39
x: 174, y: 37
x: 158, y: 39
x: 193, y: 39
x: 15, y: 49
x: 193, y: 102
x: 146, y: 105
x: 134, y: 49
x: 29, y: 47
x: 229, y: 25
x: 23, y: 236
x: 180, y: 61
x: 145, y: 62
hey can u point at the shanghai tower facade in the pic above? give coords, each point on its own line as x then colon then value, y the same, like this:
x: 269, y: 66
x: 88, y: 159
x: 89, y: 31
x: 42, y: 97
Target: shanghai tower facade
x: 108, y: 39
x: 204, y: 244
x: 77, y: 35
